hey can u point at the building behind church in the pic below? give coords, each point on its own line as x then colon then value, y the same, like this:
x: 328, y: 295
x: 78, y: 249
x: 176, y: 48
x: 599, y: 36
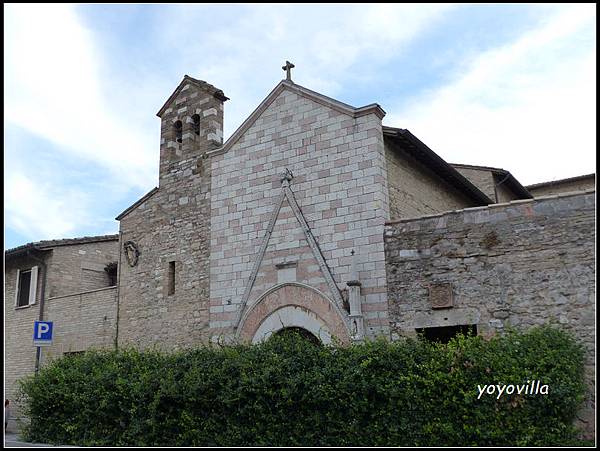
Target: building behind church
x: 312, y: 215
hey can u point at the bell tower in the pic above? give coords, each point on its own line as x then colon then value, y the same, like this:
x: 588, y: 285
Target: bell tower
x: 191, y: 125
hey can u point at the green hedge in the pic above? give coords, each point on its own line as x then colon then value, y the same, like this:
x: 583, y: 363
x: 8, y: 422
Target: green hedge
x: 290, y: 392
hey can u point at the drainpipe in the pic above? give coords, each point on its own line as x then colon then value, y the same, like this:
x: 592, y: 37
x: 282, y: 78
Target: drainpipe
x: 118, y: 292
x: 42, y: 263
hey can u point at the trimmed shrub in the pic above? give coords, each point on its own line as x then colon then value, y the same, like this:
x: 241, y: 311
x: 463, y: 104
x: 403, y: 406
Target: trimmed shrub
x: 290, y: 392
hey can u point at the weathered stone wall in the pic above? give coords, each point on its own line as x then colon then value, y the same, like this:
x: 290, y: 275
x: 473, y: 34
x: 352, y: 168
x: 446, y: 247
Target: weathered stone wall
x: 415, y: 190
x: 173, y: 224
x: 340, y: 186
x: 519, y: 264
x: 564, y: 187
x: 77, y: 268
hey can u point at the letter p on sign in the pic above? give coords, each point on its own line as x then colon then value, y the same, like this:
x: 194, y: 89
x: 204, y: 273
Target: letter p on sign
x: 42, y: 333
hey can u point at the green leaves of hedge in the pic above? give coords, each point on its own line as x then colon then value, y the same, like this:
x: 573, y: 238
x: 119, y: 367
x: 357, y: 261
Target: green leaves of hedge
x: 291, y: 392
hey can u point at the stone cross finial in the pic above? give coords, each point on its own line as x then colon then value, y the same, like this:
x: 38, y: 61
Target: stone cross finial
x: 288, y: 68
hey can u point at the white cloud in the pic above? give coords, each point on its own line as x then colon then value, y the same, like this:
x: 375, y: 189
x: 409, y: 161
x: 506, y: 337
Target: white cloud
x: 528, y: 107
x: 329, y: 44
x: 53, y: 91
x: 43, y: 210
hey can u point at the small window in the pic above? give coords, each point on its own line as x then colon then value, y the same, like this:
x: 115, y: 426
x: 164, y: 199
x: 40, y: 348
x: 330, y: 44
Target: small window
x: 171, y: 278
x: 178, y: 131
x: 196, y: 119
x: 26, y: 288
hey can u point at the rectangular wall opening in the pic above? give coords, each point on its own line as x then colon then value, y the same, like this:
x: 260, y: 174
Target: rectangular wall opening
x: 446, y: 333
x: 171, y: 288
x: 24, y: 288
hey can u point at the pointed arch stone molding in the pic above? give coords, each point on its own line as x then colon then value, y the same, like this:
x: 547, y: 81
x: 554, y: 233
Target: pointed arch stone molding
x: 300, y: 296
x: 287, y: 193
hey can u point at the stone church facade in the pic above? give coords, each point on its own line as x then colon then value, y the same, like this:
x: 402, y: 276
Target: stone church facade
x: 313, y: 214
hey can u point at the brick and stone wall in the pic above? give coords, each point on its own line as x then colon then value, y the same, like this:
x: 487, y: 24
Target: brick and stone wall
x: 415, y: 190
x: 173, y: 225
x: 339, y: 183
x: 82, y: 320
x: 19, y: 352
x: 519, y: 264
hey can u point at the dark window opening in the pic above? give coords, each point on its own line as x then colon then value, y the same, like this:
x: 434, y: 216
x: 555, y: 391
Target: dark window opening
x: 171, y: 278
x: 24, y: 287
x: 196, y: 119
x: 298, y: 332
x: 111, y: 271
x: 178, y: 131
x: 446, y: 333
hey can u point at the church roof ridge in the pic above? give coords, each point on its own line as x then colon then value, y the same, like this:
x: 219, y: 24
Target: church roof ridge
x: 315, y: 96
x: 200, y: 84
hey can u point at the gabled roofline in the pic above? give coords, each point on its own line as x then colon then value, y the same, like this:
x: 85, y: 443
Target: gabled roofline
x: 304, y: 92
x: 567, y: 180
x: 132, y: 207
x: 421, y: 152
x: 200, y: 84
x: 47, y: 245
x: 511, y: 180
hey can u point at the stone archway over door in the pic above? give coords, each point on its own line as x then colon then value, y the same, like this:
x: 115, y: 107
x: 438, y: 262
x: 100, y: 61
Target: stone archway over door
x: 294, y: 305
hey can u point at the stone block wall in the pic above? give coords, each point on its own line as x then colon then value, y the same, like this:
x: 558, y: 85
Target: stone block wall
x: 172, y: 225
x: 518, y: 264
x: 339, y: 184
x: 414, y: 190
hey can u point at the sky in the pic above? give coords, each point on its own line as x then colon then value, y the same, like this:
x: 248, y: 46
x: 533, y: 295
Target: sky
x: 510, y: 86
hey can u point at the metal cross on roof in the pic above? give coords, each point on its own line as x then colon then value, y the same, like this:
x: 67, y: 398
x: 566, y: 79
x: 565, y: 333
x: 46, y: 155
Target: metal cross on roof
x: 288, y: 68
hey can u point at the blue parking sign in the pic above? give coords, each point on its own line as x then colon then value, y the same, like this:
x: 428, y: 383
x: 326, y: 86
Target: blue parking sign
x: 42, y: 333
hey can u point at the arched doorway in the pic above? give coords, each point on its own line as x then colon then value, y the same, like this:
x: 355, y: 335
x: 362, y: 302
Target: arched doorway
x: 294, y: 305
x: 298, y: 332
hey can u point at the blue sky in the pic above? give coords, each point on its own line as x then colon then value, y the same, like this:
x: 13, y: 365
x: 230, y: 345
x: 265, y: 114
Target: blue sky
x: 510, y: 86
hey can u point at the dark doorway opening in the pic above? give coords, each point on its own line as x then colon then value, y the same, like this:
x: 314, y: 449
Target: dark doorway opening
x: 298, y: 332
x: 446, y: 333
